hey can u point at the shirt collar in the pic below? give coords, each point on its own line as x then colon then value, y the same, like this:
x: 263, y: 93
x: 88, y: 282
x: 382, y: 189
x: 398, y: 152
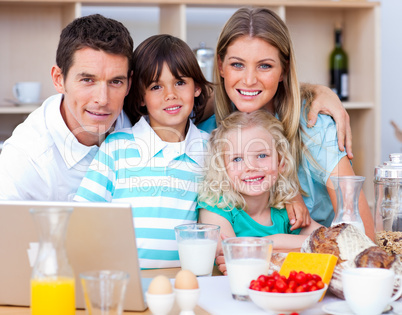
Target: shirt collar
x: 195, y: 144
x: 150, y: 143
x: 70, y: 149
x: 122, y: 121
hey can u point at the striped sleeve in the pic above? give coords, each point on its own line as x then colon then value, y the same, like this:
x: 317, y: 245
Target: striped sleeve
x: 98, y: 185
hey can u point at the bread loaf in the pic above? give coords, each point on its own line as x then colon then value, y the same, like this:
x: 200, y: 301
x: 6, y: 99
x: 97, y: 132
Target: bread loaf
x: 353, y: 249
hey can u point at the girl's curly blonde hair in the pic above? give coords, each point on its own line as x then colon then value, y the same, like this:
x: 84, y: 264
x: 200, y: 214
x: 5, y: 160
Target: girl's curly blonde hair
x: 217, y: 190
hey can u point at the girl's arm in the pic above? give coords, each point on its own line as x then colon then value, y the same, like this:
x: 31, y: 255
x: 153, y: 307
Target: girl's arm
x: 206, y: 216
x: 281, y: 241
x: 344, y: 168
x: 298, y: 214
x: 327, y: 102
x: 286, y: 242
x: 209, y: 217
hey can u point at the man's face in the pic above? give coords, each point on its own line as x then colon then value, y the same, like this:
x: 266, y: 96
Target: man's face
x: 94, y: 92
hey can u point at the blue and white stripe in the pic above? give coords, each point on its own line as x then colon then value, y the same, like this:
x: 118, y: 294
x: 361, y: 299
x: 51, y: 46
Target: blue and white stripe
x: 159, y: 179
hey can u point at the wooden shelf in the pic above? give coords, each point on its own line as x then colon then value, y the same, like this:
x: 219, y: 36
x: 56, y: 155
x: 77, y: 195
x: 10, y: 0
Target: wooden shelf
x: 358, y: 105
x: 34, y: 26
x: 289, y: 3
x: 22, y: 109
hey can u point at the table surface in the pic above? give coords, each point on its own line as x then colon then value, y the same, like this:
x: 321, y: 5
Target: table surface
x: 170, y: 273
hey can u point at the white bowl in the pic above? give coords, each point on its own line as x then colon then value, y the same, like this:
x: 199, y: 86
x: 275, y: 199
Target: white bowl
x: 285, y: 303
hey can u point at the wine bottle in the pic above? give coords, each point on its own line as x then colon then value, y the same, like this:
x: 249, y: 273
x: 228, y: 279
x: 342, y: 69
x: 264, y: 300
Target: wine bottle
x: 339, y: 68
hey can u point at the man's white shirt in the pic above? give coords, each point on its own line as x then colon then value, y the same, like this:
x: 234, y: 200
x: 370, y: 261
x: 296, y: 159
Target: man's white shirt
x: 43, y: 160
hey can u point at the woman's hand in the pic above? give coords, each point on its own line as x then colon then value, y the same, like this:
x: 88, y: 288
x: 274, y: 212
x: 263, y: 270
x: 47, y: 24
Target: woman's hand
x: 327, y: 102
x: 298, y: 214
x: 220, y: 262
x: 220, y: 259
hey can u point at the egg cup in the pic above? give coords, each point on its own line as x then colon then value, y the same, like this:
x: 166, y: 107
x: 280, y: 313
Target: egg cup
x: 187, y: 300
x: 160, y: 304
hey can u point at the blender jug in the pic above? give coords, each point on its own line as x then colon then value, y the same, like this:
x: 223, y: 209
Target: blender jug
x: 388, y: 204
x: 205, y: 58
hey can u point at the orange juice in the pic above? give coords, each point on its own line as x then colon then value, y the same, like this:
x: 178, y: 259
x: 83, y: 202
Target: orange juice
x: 53, y: 296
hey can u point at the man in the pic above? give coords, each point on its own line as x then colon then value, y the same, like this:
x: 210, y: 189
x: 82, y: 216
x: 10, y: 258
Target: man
x: 48, y: 155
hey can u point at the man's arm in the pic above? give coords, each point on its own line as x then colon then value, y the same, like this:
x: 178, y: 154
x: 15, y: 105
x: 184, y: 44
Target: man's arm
x: 19, y: 179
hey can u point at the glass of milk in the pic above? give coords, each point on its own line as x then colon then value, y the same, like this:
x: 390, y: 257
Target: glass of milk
x: 246, y: 258
x: 197, y: 244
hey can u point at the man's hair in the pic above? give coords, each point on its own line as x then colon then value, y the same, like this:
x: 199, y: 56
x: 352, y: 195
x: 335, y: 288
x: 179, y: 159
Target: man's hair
x: 96, y: 32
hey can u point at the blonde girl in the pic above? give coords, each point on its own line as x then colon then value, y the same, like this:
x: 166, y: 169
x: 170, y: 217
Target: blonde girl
x: 250, y: 179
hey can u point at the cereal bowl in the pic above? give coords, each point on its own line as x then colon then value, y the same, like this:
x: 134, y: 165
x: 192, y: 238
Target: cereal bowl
x: 286, y: 303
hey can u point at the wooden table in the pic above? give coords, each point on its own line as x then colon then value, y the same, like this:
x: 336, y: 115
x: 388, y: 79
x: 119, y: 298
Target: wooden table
x: 15, y: 310
x: 170, y: 273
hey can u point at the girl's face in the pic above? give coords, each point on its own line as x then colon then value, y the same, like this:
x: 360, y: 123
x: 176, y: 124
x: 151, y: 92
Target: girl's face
x: 251, y: 160
x: 251, y: 71
x: 170, y: 101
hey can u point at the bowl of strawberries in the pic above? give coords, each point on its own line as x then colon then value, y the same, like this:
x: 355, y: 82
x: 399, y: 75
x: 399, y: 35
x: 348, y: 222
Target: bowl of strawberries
x: 281, y: 295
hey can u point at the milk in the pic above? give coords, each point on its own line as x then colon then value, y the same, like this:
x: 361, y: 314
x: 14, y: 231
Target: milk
x: 242, y: 271
x: 197, y: 255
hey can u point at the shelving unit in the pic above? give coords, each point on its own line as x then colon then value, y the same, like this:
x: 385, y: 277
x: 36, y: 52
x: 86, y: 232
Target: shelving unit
x: 30, y: 31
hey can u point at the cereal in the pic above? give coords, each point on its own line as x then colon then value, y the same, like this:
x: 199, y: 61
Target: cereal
x: 390, y: 241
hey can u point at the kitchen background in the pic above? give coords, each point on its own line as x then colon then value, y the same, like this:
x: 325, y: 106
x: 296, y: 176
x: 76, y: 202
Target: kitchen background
x: 145, y: 19
x: 391, y: 69
x: 30, y: 31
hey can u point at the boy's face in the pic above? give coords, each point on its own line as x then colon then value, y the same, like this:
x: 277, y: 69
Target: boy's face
x: 94, y: 92
x: 169, y: 104
x: 251, y: 161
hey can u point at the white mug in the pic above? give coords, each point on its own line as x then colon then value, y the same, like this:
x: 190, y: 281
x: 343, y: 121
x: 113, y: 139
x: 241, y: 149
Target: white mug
x: 27, y: 92
x: 369, y: 290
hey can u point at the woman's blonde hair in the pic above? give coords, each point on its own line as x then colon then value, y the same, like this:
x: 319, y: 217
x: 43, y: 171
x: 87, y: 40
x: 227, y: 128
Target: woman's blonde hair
x: 264, y: 24
x: 216, y: 189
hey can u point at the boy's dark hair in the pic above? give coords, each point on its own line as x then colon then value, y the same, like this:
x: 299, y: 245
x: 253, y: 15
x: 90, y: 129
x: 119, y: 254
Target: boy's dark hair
x: 96, y: 32
x: 147, y: 64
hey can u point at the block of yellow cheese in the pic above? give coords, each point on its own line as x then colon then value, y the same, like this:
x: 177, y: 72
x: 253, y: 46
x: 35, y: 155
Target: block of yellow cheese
x: 320, y: 264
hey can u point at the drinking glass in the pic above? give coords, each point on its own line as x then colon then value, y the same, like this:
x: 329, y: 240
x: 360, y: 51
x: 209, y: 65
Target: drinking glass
x: 104, y: 291
x: 197, y: 247
x: 246, y: 259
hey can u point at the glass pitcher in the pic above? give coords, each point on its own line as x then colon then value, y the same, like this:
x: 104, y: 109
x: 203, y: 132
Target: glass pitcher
x: 388, y: 204
x: 52, y: 279
x: 347, y: 190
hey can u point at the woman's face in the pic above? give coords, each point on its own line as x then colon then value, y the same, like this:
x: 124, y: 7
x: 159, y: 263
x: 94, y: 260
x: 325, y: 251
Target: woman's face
x: 251, y: 71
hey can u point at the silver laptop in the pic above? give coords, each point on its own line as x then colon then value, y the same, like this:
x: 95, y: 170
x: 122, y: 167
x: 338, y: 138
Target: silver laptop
x: 100, y: 236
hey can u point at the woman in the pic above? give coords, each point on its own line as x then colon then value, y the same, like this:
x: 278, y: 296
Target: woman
x: 255, y: 69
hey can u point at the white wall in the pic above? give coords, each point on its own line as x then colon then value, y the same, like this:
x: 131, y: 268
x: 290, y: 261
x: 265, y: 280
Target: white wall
x: 391, y: 80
